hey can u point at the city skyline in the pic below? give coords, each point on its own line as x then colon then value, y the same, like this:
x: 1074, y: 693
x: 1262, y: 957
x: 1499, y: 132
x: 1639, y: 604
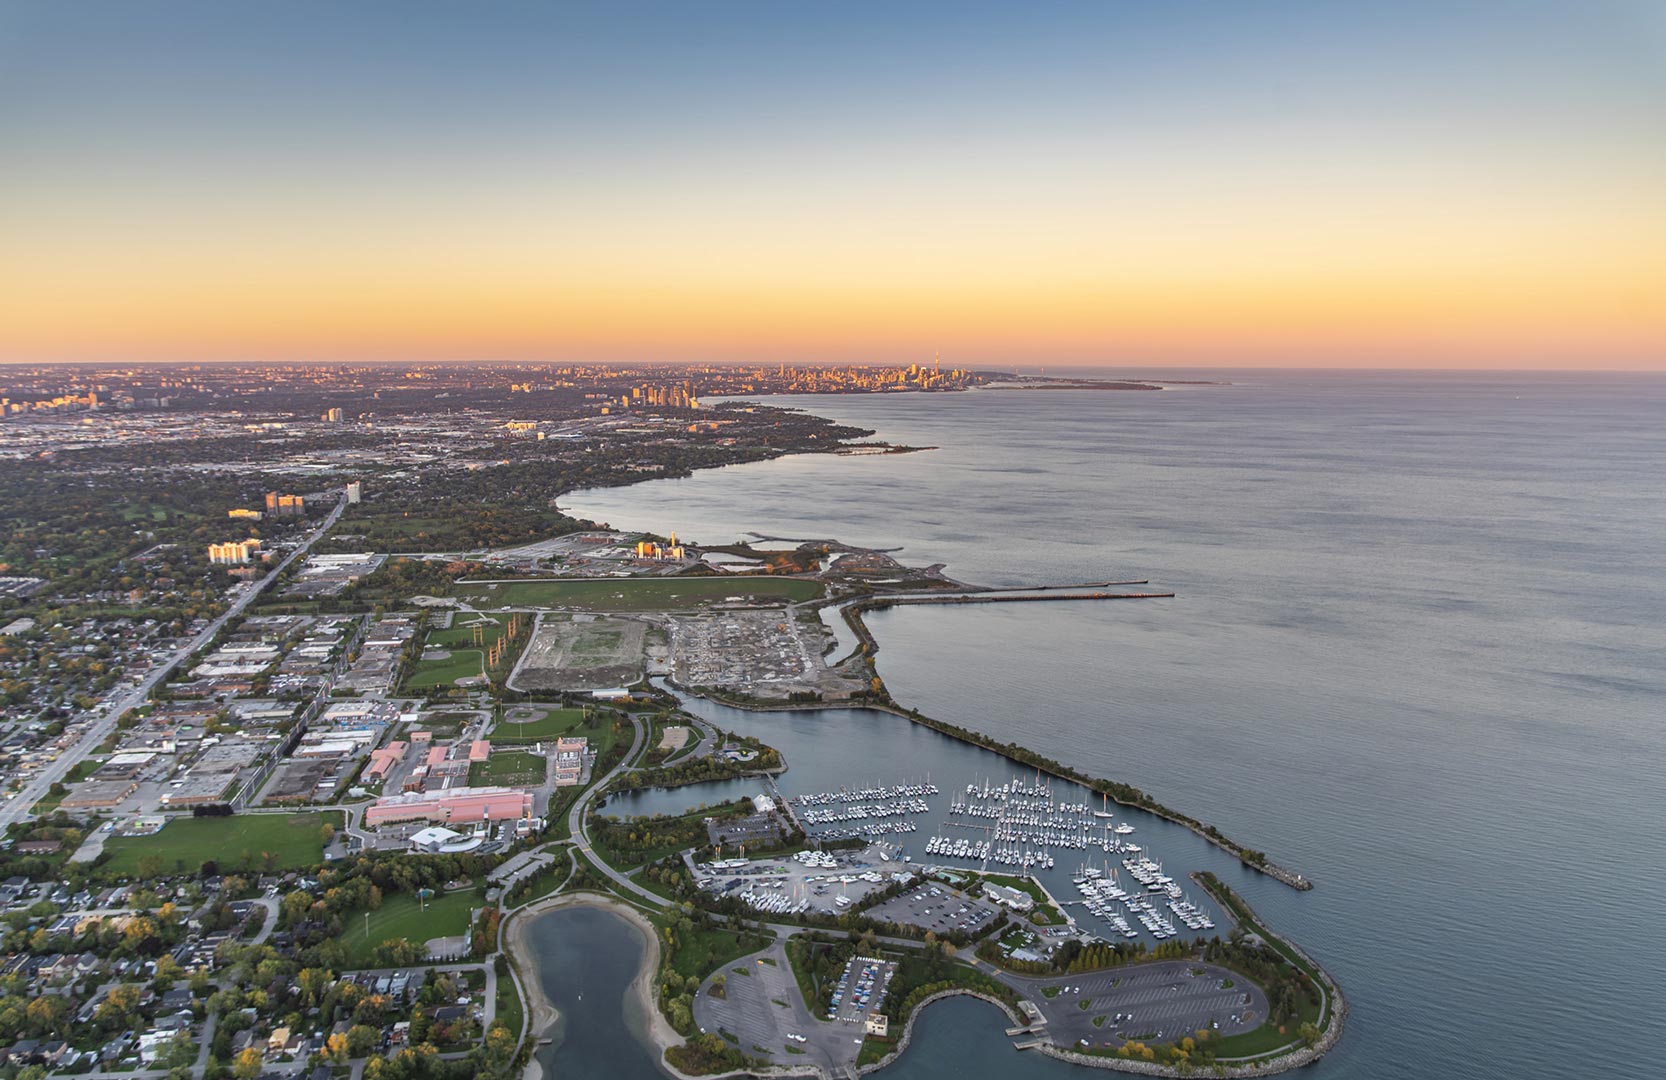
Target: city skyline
x: 1289, y: 185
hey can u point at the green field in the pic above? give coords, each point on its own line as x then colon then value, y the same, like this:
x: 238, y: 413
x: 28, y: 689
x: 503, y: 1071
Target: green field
x: 637, y: 594
x: 509, y: 768
x: 543, y: 724
x: 700, y: 952
x: 462, y: 664
x: 242, y: 840
x: 403, y: 916
x: 445, y: 725
x: 460, y: 634
x: 467, y: 659
x: 509, y: 1005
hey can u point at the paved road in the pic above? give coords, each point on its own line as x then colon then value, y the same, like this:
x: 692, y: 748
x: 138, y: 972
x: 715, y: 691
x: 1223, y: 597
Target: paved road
x: 271, y: 921
x: 17, y: 808
x: 581, y: 836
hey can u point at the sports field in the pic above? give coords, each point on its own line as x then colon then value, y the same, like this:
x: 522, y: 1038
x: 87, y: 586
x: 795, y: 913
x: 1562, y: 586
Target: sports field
x: 510, y: 768
x: 636, y: 594
x: 403, y: 916
x: 446, y: 670
x: 534, y: 723
x: 234, y: 842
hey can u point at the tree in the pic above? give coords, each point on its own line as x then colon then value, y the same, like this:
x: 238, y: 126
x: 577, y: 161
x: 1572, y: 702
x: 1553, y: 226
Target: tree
x: 167, y: 969
x: 182, y: 1052
x: 248, y: 1064
x: 361, y: 1040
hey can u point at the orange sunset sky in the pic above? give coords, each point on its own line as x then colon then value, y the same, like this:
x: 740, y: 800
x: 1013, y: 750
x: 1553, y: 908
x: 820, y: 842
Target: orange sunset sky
x: 1267, y: 184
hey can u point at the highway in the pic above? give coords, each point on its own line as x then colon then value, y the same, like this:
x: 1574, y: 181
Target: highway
x: 17, y: 808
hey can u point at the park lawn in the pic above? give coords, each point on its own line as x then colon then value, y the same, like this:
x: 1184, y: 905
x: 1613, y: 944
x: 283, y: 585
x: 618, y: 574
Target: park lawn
x: 1264, y: 1040
x: 186, y: 842
x: 509, y: 1004
x: 551, y: 723
x: 636, y: 594
x: 461, y: 664
x: 509, y: 768
x: 445, y: 725
x: 404, y: 916
x: 702, y: 952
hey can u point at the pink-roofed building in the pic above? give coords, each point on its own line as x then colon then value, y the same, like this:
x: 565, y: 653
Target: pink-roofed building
x: 422, y: 736
x: 436, y: 754
x: 381, y: 761
x: 464, y: 805
x: 480, y: 750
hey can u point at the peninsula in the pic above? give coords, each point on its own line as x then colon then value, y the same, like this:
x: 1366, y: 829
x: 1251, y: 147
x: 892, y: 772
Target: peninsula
x: 407, y: 707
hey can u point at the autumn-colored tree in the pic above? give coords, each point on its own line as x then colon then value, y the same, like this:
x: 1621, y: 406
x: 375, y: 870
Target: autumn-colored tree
x: 247, y: 1064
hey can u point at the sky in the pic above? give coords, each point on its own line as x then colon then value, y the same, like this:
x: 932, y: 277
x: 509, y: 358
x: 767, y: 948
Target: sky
x: 1372, y: 184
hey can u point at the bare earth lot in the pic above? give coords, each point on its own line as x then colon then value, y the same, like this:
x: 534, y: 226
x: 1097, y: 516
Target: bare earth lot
x: 581, y: 652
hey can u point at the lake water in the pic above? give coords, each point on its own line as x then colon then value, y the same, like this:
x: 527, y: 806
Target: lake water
x: 1418, y: 653
x: 587, y: 959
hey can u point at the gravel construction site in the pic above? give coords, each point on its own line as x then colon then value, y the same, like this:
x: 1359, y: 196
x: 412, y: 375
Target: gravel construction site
x: 581, y: 652
x: 765, y: 654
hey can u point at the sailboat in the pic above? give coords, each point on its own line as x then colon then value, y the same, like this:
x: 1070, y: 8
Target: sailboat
x: 1104, y: 812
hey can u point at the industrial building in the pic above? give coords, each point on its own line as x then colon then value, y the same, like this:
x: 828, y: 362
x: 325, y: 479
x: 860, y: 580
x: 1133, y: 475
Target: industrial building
x: 461, y: 805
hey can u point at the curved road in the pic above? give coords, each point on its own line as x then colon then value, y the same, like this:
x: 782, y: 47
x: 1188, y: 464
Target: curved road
x: 576, y: 823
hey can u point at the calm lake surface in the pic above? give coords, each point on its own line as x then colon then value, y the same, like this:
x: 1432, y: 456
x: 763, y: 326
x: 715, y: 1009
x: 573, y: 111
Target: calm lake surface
x: 1418, y: 653
x: 587, y: 959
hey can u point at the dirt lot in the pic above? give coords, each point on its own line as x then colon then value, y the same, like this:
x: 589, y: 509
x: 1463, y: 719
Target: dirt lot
x: 581, y: 652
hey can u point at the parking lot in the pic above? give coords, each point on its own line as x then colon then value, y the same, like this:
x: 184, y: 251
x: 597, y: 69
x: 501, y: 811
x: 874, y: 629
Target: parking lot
x: 861, y: 989
x: 1158, y: 1002
x: 938, y: 908
x: 765, y: 1013
x: 853, y: 876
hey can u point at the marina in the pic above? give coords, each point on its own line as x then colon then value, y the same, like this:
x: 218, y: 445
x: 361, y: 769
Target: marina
x: 828, y: 769
x: 1024, y: 821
